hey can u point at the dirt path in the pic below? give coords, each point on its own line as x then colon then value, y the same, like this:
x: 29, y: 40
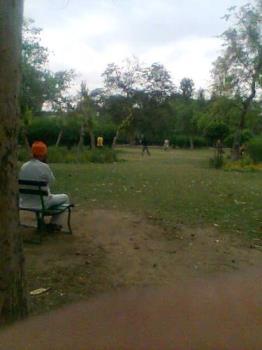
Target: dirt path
x: 112, y: 249
x: 141, y: 252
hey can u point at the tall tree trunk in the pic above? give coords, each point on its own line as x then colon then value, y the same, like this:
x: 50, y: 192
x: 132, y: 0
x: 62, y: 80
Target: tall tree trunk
x: 92, y: 138
x: 13, y: 304
x: 115, y: 138
x: 125, y: 123
x: 191, y: 142
x: 26, y: 141
x: 81, y: 138
x: 246, y: 105
x: 59, y: 137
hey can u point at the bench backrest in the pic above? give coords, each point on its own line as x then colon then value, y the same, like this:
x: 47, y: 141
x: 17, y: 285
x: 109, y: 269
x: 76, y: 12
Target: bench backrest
x: 33, y: 188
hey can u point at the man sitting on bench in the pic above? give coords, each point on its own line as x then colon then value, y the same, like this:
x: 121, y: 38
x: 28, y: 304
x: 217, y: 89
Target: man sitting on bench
x: 36, y: 169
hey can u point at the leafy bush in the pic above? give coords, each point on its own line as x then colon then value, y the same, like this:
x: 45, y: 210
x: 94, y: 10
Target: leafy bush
x: 22, y: 154
x: 216, y: 130
x: 107, y: 130
x: 216, y: 162
x: 64, y: 155
x: 45, y: 129
x: 255, y: 149
x: 105, y: 155
x: 245, y: 136
x: 181, y: 141
x: 241, y: 166
x: 199, y: 141
x: 228, y: 142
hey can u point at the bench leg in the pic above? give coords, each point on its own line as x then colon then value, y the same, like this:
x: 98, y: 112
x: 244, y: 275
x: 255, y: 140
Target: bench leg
x: 69, y: 221
x: 40, y: 225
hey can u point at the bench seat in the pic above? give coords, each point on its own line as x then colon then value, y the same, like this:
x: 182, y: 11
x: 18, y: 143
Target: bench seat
x: 38, y: 188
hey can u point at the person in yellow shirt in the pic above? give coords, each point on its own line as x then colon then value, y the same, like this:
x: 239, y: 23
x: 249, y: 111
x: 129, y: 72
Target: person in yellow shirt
x: 100, y: 142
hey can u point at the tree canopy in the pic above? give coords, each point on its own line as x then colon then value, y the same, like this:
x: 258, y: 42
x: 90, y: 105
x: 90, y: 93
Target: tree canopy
x: 40, y: 85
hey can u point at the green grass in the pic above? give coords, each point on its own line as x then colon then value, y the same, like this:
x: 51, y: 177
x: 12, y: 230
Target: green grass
x: 173, y: 187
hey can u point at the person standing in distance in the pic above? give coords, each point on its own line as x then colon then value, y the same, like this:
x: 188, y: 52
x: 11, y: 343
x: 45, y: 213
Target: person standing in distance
x: 144, y: 144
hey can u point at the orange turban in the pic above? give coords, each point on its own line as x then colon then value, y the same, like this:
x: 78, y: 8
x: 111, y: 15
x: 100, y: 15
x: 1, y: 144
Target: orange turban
x: 39, y: 149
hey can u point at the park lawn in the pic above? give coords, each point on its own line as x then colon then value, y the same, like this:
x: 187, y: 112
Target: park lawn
x: 174, y: 187
x: 178, y: 193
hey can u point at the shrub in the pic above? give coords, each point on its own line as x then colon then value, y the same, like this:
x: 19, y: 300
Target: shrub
x: 105, y: 155
x: 216, y: 130
x: 245, y: 136
x: 216, y: 162
x: 199, y: 141
x: 64, y: 155
x: 181, y: 141
x: 22, y: 154
x: 242, y: 166
x: 107, y: 130
x: 45, y: 129
x: 255, y: 149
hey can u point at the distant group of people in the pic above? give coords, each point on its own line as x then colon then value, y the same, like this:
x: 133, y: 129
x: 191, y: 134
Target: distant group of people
x: 145, y: 148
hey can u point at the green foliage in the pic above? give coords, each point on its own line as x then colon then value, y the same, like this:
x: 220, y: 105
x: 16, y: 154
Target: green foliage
x: 107, y: 130
x: 64, y: 155
x: 132, y: 77
x: 245, y: 136
x: 187, y: 87
x: 44, y: 129
x: 105, y: 155
x: 180, y: 141
x: 161, y: 111
x: 22, y: 154
x: 245, y: 164
x: 200, y: 141
x: 183, y: 141
x: 216, y: 130
x: 47, y: 129
x: 238, y: 71
x: 40, y: 85
x: 255, y: 149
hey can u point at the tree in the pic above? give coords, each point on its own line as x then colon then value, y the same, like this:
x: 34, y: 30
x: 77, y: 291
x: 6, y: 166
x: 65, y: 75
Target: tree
x: 87, y: 111
x: 40, y: 85
x: 125, y: 79
x: 216, y: 130
x: 26, y: 122
x: 238, y: 71
x: 158, y: 83
x: 185, y: 108
x: 187, y: 87
x: 186, y: 122
x: 132, y: 85
x: 13, y: 304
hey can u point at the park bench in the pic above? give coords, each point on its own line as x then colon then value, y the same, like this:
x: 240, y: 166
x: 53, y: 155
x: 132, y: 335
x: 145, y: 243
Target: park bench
x: 39, y: 189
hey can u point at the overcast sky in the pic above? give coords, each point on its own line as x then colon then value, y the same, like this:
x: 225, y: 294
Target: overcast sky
x: 86, y: 35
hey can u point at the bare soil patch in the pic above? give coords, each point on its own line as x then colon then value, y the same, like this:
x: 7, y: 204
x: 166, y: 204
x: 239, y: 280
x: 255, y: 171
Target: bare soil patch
x: 112, y: 249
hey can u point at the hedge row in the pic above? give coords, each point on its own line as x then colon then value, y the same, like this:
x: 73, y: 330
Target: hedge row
x: 65, y: 155
x: 255, y: 149
x: 48, y: 129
